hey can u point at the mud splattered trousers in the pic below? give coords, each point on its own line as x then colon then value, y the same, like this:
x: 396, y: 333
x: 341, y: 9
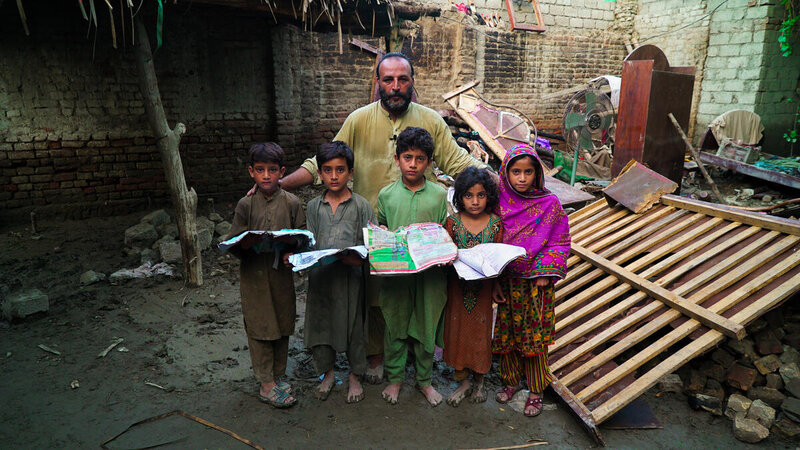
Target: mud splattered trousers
x: 325, y: 357
x: 268, y: 358
x: 396, y: 355
x: 536, y: 370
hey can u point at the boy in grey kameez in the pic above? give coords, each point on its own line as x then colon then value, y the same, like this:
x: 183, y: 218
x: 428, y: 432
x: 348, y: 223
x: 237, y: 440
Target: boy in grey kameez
x: 336, y: 310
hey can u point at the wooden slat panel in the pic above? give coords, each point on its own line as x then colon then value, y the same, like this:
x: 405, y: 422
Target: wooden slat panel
x: 587, y: 215
x: 695, y: 348
x: 653, y: 307
x: 758, y: 220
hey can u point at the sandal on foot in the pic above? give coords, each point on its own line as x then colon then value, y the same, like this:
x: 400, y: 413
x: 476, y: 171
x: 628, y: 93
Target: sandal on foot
x: 509, y: 391
x: 278, y: 398
x: 374, y: 375
x: 284, y: 386
x: 536, y: 403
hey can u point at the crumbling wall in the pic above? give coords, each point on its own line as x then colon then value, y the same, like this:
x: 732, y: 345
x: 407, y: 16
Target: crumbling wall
x: 660, y: 22
x: 73, y: 136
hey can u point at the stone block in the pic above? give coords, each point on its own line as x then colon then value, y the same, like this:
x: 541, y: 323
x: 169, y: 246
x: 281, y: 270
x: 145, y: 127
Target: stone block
x: 786, y: 428
x: 705, y: 402
x: 91, y: 277
x: 744, y: 349
x: 140, y: 235
x: 149, y: 256
x: 204, y: 238
x: 168, y: 230
x: 737, y: 405
x: 762, y: 413
x: 695, y: 382
x: 789, y: 372
x: 790, y: 355
x: 723, y: 358
x: 748, y: 430
x: 772, y: 397
x: 203, y: 223
x: 767, y: 343
x: 791, y: 407
x: 767, y: 364
x: 170, y: 252
x: 25, y: 303
x: 222, y: 228
x: 741, y: 377
x: 156, y: 218
x: 671, y: 383
x: 774, y: 381
x: 714, y: 389
x: 214, y: 217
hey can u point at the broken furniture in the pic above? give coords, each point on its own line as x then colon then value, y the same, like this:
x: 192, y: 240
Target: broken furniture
x: 650, y: 90
x: 501, y: 130
x: 751, y: 170
x: 646, y: 293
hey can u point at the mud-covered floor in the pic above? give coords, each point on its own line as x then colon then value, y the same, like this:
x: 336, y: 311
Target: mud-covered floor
x: 191, y: 343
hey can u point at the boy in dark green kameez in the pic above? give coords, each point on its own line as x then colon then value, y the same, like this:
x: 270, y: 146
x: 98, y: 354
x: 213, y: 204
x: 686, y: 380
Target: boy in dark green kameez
x: 412, y: 305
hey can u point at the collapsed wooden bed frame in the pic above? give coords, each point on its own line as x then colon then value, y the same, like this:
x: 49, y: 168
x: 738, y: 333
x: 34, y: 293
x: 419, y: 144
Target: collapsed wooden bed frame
x: 646, y: 293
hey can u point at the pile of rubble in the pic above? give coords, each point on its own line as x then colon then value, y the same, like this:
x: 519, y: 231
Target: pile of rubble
x: 155, y: 241
x: 755, y: 382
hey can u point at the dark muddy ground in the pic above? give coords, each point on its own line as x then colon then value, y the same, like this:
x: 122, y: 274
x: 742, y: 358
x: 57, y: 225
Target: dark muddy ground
x: 191, y: 343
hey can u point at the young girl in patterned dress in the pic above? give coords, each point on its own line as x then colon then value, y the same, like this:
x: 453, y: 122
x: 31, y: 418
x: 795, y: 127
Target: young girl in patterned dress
x: 468, y: 313
x: 525, y: 325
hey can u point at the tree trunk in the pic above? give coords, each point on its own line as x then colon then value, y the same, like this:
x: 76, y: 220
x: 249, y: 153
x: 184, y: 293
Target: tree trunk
x: 167, y: 140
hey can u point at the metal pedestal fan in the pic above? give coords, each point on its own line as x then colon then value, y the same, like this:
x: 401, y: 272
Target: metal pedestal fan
x: 589, y: 124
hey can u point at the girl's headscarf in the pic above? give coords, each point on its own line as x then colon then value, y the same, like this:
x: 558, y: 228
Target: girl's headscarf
x: 533, y: 220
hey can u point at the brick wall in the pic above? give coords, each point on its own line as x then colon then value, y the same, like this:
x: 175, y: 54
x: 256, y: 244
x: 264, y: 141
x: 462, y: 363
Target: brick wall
x: 73, y: 136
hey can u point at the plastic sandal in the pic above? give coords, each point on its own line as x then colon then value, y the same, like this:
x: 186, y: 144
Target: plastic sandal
x: 536, y: 403
x: 277, y: 399
x: 509, y: 391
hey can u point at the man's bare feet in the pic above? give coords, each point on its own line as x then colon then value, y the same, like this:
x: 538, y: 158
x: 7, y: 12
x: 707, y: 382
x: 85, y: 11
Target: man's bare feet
x: 325, y: 387
x: 432, y: 395
x: 355, y: 392
x: 374, y: 369
x: 457, y: 397
x: 391, y: 393
x: 478, y: 392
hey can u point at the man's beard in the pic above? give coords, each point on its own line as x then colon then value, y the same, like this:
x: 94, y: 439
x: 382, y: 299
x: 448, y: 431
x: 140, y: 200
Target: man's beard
x: 395, y: 107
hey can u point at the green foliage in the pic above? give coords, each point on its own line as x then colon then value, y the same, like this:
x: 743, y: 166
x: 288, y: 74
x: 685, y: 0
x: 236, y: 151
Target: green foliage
x: 785, y: 31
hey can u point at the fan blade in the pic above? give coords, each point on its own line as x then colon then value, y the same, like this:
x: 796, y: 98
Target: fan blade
x: 574, y: 120
x: 591, y: 100
x: 585, y: 140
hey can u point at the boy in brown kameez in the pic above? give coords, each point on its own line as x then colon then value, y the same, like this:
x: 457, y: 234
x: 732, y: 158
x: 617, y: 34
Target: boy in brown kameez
x: 267, y: 286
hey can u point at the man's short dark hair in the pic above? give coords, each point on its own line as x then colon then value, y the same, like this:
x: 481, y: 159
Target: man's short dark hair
x: 470, y: 177
x: 267, y: 152
x: 393, y: 55
x: 415, y: 137
x: 333, y: 150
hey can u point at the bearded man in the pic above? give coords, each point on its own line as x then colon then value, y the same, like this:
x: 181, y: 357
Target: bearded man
x: 371, y: 131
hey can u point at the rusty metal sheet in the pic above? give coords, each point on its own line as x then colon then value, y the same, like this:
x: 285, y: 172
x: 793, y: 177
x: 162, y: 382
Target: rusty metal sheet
x: 637, y: 188
x: 751, y: 170
x: 567, y: 195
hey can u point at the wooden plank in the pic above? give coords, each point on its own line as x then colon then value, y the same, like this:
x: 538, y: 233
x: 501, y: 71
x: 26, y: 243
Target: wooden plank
x: 578, y: 234
x: 587, y: 212
x: 578, y: 408
x: 758, y: 220
x: 692, y: 310
x: 693, y: 349
x: 631, y: 320
x: 459, y: 90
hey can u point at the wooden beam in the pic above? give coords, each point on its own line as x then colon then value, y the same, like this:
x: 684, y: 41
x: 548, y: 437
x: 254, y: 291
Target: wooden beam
x: 758, y: 220
x: 692, y: 310
x: 461, y: 89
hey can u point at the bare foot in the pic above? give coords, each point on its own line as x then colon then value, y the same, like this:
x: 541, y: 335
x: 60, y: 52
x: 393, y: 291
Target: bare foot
x: 355, y: 392
x: 391, y: 393
x: 374, y: 369
x: 478, y: 392
x: 325, y: 387
x: 432, y: 395
x: 457, y: 397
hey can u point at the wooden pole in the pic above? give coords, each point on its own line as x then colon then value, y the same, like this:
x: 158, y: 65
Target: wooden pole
x: 167, y: 140
x: 696, y: 156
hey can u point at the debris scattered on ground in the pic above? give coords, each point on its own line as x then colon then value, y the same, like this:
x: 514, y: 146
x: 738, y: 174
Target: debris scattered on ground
x: 91, y: 277
x: 110, y: 347
x: 49, y: 350
x: 146, y: 270
x: 74, y: 384
x: 25, y: 303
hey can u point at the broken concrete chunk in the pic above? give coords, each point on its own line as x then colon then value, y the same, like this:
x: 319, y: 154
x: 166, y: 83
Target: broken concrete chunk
x: 91, y: 277
x: 214, y: 217
x: 767, y: 364
x: 748, y: 430
x: 762, y: 413
x: 25, y: 303
x: 204, y: 238
x: 737, y: 405
x: 156, y: 218
x: 789, y: 372
x: 204, y: 224
x: 741, y: 377
x: 772, y: 397
x: 671, y: 383
x: 170, y: 252
x: 140, y: 235
x: 222, y: 228
x: 791, y: 407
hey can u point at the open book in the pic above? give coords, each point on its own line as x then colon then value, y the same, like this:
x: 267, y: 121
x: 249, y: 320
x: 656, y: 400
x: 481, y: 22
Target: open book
x: 485, y: 260
x: 408, y: 250
x: 272, y: 240
x: 308, y: 260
